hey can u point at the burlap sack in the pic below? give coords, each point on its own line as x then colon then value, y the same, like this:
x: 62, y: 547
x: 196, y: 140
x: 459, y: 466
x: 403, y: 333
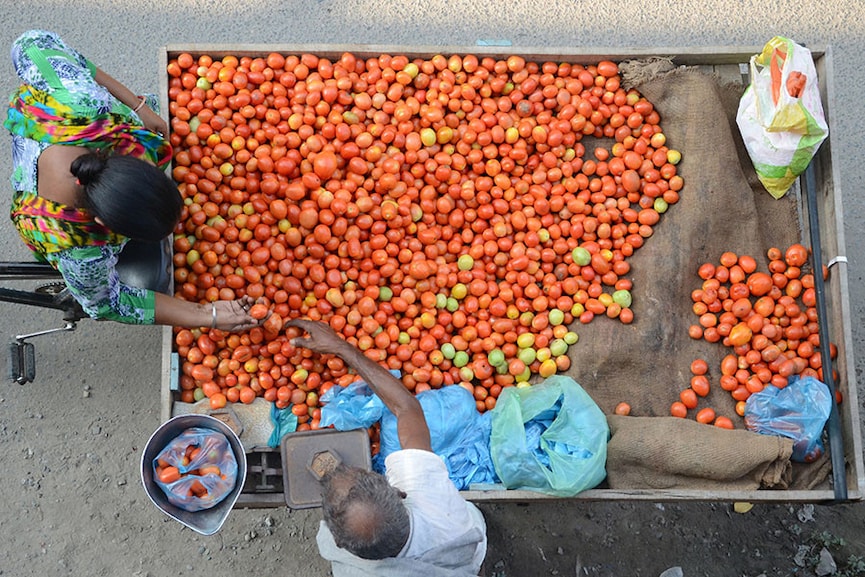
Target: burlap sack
x: 723, y: 207
x: 669, y: 453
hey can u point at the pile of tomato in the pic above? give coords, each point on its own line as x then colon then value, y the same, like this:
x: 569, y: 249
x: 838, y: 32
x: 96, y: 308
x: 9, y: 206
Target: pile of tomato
x: 767, y: 318
x: 441, y: 214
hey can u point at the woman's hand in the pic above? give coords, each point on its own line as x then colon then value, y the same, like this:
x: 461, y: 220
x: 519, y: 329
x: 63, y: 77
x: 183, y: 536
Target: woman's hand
x: 233, y: 316
x: 153, y: 121
x: 321, y: 339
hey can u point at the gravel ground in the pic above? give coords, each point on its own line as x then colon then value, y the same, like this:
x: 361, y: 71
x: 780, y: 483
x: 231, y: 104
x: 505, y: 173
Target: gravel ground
x: 71, y: 442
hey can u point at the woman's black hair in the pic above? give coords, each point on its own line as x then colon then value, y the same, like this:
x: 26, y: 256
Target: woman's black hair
x: 130, y: 196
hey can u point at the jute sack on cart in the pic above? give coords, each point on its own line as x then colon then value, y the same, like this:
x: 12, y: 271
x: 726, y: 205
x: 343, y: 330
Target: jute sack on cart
x: 723, y: 207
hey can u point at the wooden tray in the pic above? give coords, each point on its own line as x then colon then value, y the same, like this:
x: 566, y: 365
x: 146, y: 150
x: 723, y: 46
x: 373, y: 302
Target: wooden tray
x: 730, y: 64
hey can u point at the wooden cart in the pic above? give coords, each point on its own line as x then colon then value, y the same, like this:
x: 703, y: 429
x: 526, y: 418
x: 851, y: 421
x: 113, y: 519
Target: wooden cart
x: 264, y: 480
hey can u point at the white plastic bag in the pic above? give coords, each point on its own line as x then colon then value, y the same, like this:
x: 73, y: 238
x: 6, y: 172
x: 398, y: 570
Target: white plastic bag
x: 780, y: 114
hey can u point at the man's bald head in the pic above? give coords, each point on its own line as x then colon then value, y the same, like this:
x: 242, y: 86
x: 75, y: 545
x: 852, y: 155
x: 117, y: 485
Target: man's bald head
x: 365, y: 514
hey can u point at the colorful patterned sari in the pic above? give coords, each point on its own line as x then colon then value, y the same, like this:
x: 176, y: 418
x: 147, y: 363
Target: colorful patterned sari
x: 59, y: 102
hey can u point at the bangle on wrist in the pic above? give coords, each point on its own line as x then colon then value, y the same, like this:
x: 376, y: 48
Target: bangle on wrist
x: 141, y: 102
x: 213, y: 315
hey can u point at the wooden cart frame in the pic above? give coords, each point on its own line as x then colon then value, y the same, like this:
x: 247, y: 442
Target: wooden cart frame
x: 731, y: 65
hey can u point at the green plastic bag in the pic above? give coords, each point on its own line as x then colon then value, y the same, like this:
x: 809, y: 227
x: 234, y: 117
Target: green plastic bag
x: 550, y: 437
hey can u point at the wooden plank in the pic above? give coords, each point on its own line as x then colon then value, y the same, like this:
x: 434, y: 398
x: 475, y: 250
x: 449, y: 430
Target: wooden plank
x: 689, y: 56
x: 516, y: 496
x: 167, y: 397
x: 262, y: 500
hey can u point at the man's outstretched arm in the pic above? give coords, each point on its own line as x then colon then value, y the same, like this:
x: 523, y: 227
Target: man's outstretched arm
x: 412, y: 428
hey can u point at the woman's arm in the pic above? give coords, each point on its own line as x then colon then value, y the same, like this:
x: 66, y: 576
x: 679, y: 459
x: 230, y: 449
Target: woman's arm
x: 117, y: 89
x: 151, y: 120
x: 91, y: 277
x: 231, y: 316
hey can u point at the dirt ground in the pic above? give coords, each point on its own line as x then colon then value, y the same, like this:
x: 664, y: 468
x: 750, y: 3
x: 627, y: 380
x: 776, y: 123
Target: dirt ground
x: 73, y: 503
x: 70, y: 444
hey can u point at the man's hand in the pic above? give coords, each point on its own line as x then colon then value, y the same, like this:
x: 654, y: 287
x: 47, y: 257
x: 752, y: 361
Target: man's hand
x: 412, y: 429
x: 321, y: 339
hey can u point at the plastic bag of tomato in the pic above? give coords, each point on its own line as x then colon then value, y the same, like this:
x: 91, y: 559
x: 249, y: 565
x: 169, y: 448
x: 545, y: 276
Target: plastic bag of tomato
x: 197, y: 470
x: 451, y: 216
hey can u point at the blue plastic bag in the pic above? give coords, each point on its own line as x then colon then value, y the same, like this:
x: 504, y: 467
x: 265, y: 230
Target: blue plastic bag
x: 351, y: 407
x: 550, y: 437
x: 459, y: 434
x: 798, y: 411
x: 284, y: 422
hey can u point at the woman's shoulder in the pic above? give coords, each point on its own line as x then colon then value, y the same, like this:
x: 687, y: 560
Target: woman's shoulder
x: 55, y: 182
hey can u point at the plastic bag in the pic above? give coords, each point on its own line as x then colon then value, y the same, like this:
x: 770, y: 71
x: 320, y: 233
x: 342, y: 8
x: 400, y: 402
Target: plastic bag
x: 351, y: 407
x: 460, y: 435
x: 206, y: 469
x: 780, y: 114
x: 550, y: 437
x: 284, y: 422
x: 798, y: 411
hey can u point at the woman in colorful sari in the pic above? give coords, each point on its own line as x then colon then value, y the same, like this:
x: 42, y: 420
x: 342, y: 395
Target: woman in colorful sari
x: 88, y: 159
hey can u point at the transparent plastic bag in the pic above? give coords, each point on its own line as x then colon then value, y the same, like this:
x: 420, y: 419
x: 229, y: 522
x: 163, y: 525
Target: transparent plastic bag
x: 798, y: 411
x: 197, y: 469
x: 550, y: 437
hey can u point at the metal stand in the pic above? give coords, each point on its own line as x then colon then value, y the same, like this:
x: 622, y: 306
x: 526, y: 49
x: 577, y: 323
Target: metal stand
x: 22, y: 354
x: 836, y: 442
x: 142, y: 264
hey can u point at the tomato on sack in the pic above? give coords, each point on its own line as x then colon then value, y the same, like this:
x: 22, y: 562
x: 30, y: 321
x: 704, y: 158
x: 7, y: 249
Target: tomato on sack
x: 688, y: 397
x: 796, y: 255
x: 699, y: 367
x: 724, y: 423
x: 700, y: 385
x: 622, y: 409
x: 678, y: 409
x: 705, y: 416
x: 768, y: 320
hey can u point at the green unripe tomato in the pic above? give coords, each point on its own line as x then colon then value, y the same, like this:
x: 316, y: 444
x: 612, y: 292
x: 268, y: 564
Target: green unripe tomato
x: 581, y: 256
x: 622, y: 298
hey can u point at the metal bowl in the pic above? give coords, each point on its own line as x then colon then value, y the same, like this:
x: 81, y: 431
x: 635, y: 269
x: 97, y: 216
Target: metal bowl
x: 207, y: 521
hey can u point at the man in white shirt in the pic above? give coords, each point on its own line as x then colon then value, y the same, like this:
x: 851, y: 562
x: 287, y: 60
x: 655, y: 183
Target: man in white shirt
x: 413, y: 521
